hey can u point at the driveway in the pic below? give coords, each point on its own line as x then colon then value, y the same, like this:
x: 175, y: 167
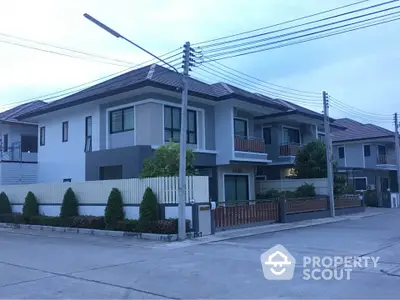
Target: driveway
x: 58, y: 265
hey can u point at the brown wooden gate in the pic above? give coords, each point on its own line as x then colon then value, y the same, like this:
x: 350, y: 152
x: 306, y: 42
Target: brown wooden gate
x: 230, y: 215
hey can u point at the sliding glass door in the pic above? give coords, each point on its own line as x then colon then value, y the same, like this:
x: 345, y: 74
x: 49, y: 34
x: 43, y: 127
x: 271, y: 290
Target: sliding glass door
x: 236, y: 188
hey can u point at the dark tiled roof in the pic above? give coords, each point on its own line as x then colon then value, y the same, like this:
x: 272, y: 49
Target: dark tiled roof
x: 358, y: 131
x: 13, y: 113
x: 157, y: 76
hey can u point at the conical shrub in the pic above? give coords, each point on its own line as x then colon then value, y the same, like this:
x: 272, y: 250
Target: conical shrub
x: 114, y: 211
x: 5, y: 205
x: 69, y: 207
x: 31, y: 207
x: 149, y: 211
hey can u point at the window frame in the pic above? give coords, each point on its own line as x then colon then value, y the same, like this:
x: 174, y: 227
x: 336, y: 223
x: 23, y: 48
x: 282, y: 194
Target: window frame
x: 122, y: 110
x: 246, y: 127
x: 369, y: 150
x: 288, y: 129
x: 42, y: 136
x: 34, y: 145
x: 344, y: 154
x: 64, y: 129
x: 88, y: 137
x: 173, y: 130
x: 366, y: 183
x: 270, y: 135
x: 5, y: 142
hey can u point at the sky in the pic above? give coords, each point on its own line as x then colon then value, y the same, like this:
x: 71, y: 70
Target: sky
x: 357, y: 68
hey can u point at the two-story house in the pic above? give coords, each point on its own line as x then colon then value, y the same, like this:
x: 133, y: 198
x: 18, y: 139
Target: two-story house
x: 18, y: 145
x: 106, y: 131
x: 366, y: 153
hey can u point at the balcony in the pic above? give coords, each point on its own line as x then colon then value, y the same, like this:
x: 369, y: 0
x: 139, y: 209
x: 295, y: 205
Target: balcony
x: 289, y: 149
x: 249, y: 144
x: 386, y: 160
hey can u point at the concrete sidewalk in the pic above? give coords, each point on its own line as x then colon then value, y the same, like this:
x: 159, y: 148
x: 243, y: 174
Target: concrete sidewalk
x: 252, y: 231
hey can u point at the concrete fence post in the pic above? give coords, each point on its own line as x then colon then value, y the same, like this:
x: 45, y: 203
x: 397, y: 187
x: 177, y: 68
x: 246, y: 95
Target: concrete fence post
x: 282, y: 210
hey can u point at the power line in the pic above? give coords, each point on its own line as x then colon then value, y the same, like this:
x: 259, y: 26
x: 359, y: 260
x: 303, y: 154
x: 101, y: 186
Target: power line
x: 336, y: 103
x: 388, y: 20
x: 72, y: 89
x: 246, y: 85
x: 282, y: 23
x: 245, y: 81
x: 295, y: 91
x: 66, y: 48
x: 62, y: 54
x: 308, y: 34
x: 296, y: 26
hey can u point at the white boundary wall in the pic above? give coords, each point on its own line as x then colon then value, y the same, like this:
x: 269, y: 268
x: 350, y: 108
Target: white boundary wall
x: 97, y: 192
x: 320, y: 184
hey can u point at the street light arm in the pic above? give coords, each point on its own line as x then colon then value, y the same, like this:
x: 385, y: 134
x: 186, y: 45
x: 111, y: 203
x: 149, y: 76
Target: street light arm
x: 118, y: 35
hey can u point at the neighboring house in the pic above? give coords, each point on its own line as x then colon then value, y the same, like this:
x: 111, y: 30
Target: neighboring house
x: 106, y: 131
x: 366, y: 152
x: 18, y: 146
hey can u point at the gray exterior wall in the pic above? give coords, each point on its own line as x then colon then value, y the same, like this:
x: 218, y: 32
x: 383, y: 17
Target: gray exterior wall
x: 341, y: 162
x: 131, y: 159
x: 354, y: 155
x: 370, y: 161
x: 149, y: 127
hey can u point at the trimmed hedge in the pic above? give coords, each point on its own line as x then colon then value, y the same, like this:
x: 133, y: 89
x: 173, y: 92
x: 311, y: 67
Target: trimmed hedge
x: 169, y: 226
x: 149, y: 210
x: 5, y: 205
x: 31, y: 206
x: 69, y: 207
x: 114, y: 211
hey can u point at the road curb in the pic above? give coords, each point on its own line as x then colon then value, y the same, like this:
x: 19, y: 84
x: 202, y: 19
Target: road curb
x: 96, y: 232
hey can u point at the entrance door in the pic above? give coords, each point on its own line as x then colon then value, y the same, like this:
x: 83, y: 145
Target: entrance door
x: 236, y: 188
x: 382, y: 154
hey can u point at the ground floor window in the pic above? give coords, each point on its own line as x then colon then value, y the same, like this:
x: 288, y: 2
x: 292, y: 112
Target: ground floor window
x: 111, y: 172
x: 360, y: 184
x: 236, y: 188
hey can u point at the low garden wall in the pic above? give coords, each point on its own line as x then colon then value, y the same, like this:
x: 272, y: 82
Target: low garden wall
x: 90, y: 203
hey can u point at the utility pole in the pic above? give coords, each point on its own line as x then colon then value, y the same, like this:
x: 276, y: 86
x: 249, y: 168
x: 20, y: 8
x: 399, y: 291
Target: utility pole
x: 182, y: 143
x: 396, y: 137
x: 328, y: 146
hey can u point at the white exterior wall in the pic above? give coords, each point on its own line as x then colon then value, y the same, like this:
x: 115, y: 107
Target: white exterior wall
x: 59, y: 160
x: 18, y: 173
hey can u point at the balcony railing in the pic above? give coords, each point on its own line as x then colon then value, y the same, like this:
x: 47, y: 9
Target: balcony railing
x: 289, y: 149
x: 249, y: 144
x: 386, y: 160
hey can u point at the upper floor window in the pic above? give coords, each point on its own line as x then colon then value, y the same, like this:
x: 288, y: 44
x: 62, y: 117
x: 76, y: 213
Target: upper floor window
x: 42, y: 135
x: 65, y: 131
x: 291, y: 135
x: 267, y: 135
x: 341, y: 152
x: 321, y: 136
x: 172, y: 125
x: 5, y: 143
x: 240, y: 127
x: 88, y: 134
x: 29, y: 143
x: 122, y: 120
x: 367, y: 150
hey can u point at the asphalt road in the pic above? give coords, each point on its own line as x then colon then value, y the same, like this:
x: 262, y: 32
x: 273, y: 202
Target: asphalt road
x: 40, y: 265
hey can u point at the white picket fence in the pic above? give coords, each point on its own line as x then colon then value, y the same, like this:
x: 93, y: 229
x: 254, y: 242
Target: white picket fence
x: 97, y: 192
x: 320, y: 184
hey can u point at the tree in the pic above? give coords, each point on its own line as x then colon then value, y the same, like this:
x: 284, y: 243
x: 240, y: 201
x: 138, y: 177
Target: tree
x: 5, y: 205
x: 114, y: 211
x: 311, y: 161
x: 148, y: 211
x: 31, y: 207
x: 69, y: 207
x: 165, y: 162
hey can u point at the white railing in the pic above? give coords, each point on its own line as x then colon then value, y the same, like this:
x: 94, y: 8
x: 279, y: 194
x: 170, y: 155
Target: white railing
x: 97, y: 192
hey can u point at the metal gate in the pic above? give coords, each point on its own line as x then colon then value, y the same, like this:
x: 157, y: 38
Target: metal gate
x: 231, y: 215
